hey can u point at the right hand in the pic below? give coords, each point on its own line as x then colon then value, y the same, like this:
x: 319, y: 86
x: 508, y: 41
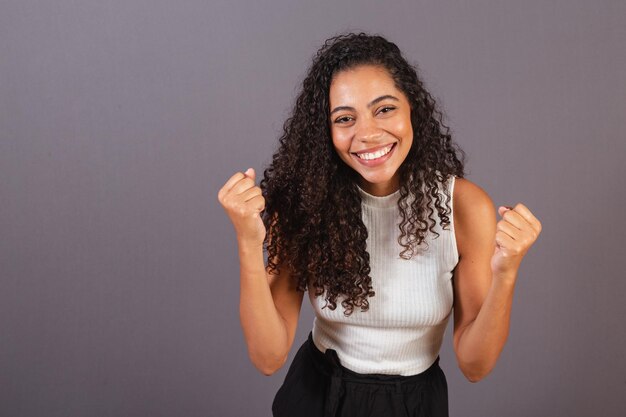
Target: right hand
x: 244, y: 202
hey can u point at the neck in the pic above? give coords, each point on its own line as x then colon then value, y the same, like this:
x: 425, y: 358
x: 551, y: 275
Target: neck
x: 379, y: 190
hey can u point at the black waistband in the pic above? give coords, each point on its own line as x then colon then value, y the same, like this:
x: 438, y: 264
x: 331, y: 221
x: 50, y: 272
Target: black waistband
x: 328, y: 364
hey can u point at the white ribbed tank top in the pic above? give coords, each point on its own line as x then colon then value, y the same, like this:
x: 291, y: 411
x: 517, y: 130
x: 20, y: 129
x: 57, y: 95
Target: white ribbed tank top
x: 402, y: 331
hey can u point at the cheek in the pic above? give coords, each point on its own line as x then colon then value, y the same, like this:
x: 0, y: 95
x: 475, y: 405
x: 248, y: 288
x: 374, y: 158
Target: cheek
x: 409, y: 132
x: 341, y: 143
x: 406, y: 127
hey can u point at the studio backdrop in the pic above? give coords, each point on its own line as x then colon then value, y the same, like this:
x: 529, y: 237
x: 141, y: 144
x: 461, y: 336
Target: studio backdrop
x: 121, y: 119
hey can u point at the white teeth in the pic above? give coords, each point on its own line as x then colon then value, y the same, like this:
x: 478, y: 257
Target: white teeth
x: 376, y: 154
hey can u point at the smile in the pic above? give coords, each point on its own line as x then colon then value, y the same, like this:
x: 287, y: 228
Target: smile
x: 375, y: 155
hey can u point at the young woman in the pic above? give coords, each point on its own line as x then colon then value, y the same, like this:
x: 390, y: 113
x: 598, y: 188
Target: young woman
x: 365, y: 206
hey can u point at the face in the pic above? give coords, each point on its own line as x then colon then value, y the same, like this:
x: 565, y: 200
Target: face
x: 370, y: 126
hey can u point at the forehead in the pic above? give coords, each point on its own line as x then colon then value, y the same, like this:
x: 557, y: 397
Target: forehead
x: 364, y: 82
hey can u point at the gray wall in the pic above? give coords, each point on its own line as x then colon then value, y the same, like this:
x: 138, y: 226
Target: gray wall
x: 121, y: 119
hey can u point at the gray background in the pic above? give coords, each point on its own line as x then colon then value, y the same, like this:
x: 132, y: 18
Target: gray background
x: 121, y: 119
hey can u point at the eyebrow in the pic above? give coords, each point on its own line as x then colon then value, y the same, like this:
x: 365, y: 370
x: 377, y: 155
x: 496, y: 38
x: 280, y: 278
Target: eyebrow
x: 372, y: 103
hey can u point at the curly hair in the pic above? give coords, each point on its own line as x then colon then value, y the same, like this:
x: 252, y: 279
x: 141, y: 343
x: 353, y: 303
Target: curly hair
x: 313, y: 207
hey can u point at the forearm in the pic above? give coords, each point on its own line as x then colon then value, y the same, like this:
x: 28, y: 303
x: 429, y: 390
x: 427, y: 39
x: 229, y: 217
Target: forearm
x: 481, y: 342
x: 263, y: 327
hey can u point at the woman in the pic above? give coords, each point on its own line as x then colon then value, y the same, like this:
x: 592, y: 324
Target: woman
x: 365, y: 205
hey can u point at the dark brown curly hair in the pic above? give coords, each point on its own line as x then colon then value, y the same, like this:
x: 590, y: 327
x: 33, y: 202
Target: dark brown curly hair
x: 312, y: 204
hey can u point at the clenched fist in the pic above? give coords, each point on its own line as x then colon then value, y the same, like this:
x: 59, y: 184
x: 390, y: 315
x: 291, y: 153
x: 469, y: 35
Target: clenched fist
x: 515, y: 234
x: 243, y: 202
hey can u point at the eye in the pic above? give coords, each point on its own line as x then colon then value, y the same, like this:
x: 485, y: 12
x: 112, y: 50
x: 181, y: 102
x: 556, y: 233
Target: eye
x: 386, y: 109
x: 343, y: 119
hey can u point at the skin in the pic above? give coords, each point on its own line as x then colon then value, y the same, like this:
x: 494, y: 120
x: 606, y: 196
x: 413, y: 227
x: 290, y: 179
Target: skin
x: 490, y: 251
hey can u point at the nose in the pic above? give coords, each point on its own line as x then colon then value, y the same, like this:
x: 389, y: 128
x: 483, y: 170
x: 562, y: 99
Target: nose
x: 367, y: 130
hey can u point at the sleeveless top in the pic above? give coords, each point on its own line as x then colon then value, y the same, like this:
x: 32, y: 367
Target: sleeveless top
x: 402, y: 331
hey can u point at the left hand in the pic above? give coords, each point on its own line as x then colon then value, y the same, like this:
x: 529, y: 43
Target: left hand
x: 515, y: 234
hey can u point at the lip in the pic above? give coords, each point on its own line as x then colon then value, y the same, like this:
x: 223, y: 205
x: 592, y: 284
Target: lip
x: 377, y: 161
x: 371, y: 150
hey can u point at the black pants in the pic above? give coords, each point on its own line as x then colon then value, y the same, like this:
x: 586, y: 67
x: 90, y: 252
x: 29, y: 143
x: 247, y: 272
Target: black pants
x: 317, y: 385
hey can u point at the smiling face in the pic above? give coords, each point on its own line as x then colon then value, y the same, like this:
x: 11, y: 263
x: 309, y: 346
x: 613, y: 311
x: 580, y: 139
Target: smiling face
x: 370, y: 125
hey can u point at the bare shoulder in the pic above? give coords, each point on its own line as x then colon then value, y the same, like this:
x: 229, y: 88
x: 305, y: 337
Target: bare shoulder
x: 474, y: 213
x: 469, y: 197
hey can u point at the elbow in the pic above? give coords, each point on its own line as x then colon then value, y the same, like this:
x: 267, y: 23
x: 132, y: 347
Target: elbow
x: 475, y: 373
x: 475, y: 368
x: 473, y: 378
x: 268, y: 366
x: 267, y: 370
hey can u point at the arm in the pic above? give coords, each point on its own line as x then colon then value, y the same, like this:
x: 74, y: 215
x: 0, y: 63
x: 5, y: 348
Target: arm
x: 484, y: 280
x: 269, y: 304
x: 269, y: 309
